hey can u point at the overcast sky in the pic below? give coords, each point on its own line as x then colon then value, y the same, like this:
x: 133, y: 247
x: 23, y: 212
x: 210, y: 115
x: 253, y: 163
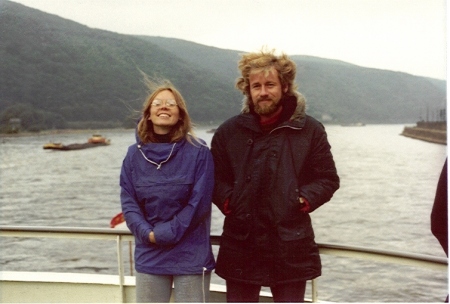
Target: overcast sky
x: 399, y: 35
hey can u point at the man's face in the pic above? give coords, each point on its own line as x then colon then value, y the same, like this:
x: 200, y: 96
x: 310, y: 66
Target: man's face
x: 265, y: 91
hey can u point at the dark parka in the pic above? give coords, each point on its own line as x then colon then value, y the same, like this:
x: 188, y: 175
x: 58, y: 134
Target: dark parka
x: 266, y: 239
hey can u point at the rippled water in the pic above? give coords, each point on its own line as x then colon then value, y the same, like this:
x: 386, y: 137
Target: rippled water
x: 388, y: 184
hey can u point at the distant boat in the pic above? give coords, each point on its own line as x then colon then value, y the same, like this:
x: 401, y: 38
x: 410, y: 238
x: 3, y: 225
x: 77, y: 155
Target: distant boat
x: 98, y: 139
x: 356, y: 124
x: 52, y: 145
x: 95, y: 141
x: 211, y: 130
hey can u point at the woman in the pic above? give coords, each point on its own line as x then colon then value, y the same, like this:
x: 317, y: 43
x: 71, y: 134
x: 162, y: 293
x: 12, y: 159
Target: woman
x: 166, y: 184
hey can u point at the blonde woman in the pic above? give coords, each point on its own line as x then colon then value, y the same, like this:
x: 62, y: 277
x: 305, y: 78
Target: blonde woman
x: 166, y: 187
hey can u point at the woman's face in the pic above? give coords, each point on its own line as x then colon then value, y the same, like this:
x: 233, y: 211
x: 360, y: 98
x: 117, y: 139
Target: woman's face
x: 164, y: 112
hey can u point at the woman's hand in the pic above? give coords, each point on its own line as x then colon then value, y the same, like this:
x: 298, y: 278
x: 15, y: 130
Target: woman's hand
x: 152, y: 237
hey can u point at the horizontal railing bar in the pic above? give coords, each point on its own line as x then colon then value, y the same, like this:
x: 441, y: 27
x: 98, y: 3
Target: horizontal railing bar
x: 54, y: 229
x: 380, y: 255
x: 372, y: 254
x: 385, y: 256
x: 65, y: 232
x: 391, y: 253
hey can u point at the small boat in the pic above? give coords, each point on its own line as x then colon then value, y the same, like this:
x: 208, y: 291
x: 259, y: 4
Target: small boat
x: 52, y: 145
x: 98, y: 139
x: 211, y: 130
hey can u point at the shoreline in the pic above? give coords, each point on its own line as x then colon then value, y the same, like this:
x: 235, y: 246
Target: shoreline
x: 62, y: 131
x: 434, y: 132
x: 85, y: 131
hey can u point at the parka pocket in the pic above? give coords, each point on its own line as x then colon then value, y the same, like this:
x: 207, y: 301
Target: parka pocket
x: 162, y: 201
x: 295, y: 230
x: 236, y: 228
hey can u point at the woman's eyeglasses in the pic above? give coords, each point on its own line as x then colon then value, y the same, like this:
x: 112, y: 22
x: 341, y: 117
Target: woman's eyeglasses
x: 167, y: 102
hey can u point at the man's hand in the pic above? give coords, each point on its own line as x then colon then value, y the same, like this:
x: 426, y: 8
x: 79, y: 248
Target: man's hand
x: 304, y: 205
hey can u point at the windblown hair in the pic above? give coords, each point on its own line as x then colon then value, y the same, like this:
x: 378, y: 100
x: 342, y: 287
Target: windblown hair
x: 182, y: 129
x: 263, y: 61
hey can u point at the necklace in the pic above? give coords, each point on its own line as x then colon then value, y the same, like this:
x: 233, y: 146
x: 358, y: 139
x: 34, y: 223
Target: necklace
x: 158, y: 166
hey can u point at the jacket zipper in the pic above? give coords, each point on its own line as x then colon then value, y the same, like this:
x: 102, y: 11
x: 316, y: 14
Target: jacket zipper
x: 290, y: 127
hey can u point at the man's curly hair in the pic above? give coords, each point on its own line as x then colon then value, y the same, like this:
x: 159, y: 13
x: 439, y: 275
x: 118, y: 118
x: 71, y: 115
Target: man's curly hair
x: 265, y: 60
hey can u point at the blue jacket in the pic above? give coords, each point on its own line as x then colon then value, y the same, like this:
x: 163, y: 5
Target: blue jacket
x: 174, y: 201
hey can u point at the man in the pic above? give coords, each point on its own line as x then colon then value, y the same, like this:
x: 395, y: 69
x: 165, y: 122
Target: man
x: 273, y: 166
x: 439, y: 218
x: 439, y: 221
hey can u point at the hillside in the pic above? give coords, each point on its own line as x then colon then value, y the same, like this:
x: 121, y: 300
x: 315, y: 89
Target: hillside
x: 334, y: 89
x: 62, y: 71
x: 57, y: 73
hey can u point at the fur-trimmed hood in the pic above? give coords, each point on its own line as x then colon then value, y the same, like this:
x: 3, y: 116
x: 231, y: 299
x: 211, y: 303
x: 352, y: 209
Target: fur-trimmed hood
x: 299, y: 112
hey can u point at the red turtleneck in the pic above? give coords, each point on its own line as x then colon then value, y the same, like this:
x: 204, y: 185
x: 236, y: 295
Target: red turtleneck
x: 268, y: 122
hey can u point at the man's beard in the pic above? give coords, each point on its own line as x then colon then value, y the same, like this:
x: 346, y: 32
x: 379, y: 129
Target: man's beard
x: 266, y: 110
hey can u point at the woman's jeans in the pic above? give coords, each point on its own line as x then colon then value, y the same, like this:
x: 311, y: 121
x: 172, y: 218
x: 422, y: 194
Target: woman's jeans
x: 158, y: 288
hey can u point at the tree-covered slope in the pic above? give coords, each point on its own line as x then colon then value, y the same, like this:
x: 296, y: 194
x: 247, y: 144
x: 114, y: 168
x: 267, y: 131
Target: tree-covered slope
x: 56, y: 73
x: 75, y: 73
x: 336, y: 91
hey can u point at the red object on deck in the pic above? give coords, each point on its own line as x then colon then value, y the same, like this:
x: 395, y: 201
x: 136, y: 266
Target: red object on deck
x: 116, y: 220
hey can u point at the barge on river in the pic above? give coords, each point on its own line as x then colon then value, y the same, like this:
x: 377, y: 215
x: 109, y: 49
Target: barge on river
x: 95, y: 141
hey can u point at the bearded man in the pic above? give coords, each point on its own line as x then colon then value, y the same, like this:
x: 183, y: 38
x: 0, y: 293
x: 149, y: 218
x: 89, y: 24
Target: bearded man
x: 273, y: 166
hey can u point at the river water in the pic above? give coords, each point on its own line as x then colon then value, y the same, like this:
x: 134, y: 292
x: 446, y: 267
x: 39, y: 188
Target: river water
x: 388, y: 183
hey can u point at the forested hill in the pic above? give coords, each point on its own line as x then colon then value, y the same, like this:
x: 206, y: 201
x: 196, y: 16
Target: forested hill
x: 56, y: 73
x: 55, y: 70
x: 336, y: 91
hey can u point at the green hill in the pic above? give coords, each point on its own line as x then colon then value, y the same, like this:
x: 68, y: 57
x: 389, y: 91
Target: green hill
x: 57, y: 73
x: 336, y: 91
x: 69, y: 73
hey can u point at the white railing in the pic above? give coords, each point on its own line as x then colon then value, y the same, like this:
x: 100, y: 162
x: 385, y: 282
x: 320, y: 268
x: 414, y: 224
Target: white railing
x: 120, y: 236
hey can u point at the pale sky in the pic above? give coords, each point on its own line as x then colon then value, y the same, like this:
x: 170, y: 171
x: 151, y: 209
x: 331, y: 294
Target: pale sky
x: 399, y: 35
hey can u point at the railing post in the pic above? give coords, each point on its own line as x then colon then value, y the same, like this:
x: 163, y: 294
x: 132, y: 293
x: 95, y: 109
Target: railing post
x: 121, y: 271
x: 130, y: 250
x: 314, y: 290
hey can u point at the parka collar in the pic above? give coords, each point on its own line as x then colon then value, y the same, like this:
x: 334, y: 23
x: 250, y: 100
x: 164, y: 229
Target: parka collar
x: 160, y: 152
